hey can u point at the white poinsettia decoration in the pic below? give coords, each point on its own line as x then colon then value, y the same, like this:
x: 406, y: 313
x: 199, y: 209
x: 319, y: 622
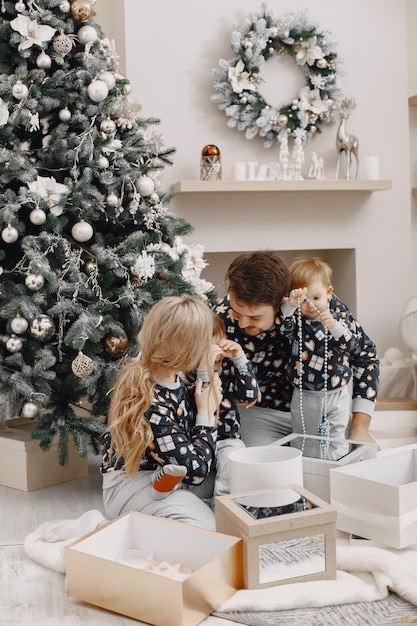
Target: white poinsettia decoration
x: 307, y: 51
x: 32, y: 32
x: 49, y: 189
x: 144, y: 267
x: 310, y: 100
x: 239, y: 79
x: 4, y: 113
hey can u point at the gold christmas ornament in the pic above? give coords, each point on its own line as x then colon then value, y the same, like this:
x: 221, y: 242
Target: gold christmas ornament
x: 116, y: 346
x: 82, y: 10
x: 210, y: 163
x: 82, y: 366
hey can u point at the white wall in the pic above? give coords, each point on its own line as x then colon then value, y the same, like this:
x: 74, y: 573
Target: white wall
x: 170, y: 51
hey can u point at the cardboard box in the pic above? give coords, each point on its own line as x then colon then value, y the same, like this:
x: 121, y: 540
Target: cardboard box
x: 317, y: 463
x: 24, y: 466
x: 394, y: 422
x: 282, y: 543
x: 95, y: 575
x: 377, y: 499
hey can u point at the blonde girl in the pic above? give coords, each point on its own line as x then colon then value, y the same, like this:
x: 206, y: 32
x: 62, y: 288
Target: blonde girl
x: 156, y: 419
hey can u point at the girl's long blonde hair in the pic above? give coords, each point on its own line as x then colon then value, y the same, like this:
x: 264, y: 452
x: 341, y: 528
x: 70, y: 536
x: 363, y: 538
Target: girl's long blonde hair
x: 177, y: 334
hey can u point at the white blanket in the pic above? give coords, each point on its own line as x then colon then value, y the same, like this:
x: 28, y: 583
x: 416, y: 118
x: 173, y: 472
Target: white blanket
x: 364, y: 574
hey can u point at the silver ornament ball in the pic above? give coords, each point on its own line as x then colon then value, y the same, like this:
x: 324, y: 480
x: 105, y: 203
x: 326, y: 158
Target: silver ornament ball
x: 34, y: 282
x: 109, y: 78
x: 20, y: 6
x: 108, y: 126
x: 65, y: 6
x: 14, y: 344
x: 103, y: 162
x: 112, y: 199
x: 42, y: 327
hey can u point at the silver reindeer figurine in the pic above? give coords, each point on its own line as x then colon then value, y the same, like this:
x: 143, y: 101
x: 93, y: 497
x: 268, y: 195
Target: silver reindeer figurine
x: 345, y: 142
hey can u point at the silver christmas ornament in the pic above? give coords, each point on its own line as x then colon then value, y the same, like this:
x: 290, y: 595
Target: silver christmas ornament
x: 43, y: 61
x: 30, y: 410
x: 108, y: 126
x: 34, y: 282
x: 14, y: 344
x: 64, y: 115
x: 20, y: 91
x: 19, y: 325
x: 126, y: 89
x: 9, y: 234
x: 62, y: 44
x: 82, y: 231
x: 97, y: 90
x: 37, y: 217
x: 20, y: 6
x: 87, y: 34
x: 145, y: 185
x: 42, y: 328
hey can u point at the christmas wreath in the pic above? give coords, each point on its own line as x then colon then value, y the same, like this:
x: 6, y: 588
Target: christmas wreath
x: 237, y: 83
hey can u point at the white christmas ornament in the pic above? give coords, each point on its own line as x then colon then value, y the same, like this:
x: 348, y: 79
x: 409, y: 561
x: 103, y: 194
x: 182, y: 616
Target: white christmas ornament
x: 82, y: 231
x: 108, y: 126
x: 30, y: 410
x: 19, y: 325
x: 9, y: 234
x: 109, y: 78
x: 20, y: 6
x: 87, y: 34
x: 37, y: 217
x: 145, y: 185
x: 34, y: 282
x: 97, y: 90
x: 112, y: 199
x: 64, y: 115
x: 65, y: 6
x: 44, y: 61
x: 20, y: 91
x: 103, y: 162
x: 42, y: 327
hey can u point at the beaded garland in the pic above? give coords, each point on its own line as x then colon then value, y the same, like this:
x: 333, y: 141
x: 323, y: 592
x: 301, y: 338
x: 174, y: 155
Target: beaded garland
x: 238, y: 81
x: 324, y: 426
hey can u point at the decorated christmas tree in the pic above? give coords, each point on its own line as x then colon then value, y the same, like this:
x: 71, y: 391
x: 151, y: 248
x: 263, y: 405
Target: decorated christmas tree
x: 87, y: 242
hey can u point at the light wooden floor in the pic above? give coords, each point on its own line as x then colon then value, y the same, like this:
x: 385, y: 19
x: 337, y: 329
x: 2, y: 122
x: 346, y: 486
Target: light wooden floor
x: 32, y: 595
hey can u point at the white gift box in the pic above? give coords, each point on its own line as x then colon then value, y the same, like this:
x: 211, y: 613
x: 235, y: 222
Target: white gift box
x: 100, y: 573
x: 317, y: 461
x: 394, y: 422
x: 377, y: 499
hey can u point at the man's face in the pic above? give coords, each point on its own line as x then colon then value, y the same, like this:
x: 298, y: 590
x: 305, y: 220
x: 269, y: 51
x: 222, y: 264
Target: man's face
x: 253, y: 319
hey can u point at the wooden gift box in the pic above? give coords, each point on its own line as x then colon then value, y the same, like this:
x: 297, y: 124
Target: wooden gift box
x: 293, y: 546
x: 316, y: 469
x: 96, y: 575
x: 377, y: 499
x: 25, y: 466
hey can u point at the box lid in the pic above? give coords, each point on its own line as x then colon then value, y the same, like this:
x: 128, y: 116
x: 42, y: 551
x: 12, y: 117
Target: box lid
x: 236, y: 506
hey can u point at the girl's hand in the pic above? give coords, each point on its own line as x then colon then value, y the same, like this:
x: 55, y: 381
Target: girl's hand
x: 230, y: 348
x: 208, y: 396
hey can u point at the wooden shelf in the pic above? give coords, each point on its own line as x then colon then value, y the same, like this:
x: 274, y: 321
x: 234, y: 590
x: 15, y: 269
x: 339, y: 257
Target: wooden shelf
x: 414, y: 192
x: 235, y: 186
x: 412, y: 101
